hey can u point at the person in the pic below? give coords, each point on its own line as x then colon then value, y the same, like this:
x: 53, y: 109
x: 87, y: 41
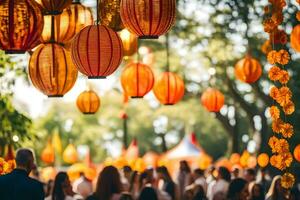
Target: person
x: 83, y: 186
x: 125, y: 179
x: 199, y: 179
x: 168, y: 185
x: 235, y: 173
x: 264, y: 180
x: 250, y: 175
x: 257, y: 192
x: 238, y: 189
x: 221, y: 183
x: 276, y: 191
x: 62, y: 189
x: 199, y: 193
x: 134, y: 187
x: 148, y: 193
x: 17, y: 185
x: 109, y: 186
x: 184, y: 177
x: 210, y: 174
x: 48, y: 188
x: 126, y: 196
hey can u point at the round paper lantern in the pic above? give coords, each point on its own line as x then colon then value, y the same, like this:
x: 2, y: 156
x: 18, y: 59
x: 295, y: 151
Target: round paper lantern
x: 54, y: 7
x: 244, y: 159
x: 137, y: 80
x: 235, y: 158
x: 51, y: 70
x: 48, y: 154
x: 248, y: 70
x: 88, y: 102
x: 109, y: 14
x: 148, y: 19
x: 21, y: 23
x: 70, y: 155
x: 263, y: 160
x: 66, y: 25
x: 97, y: 51
x: 212, y: 99
x: 251, y: 162
x: 169, y: 88
x: 130, y: 43
x: 297, y: 153
x: 295, y: 41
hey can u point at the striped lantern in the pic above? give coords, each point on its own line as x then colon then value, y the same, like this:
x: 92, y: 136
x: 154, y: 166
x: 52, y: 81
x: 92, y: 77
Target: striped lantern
x: 213, y: 100
x: 54, y: 7
x: 88, y: 102
x: 248, y: 70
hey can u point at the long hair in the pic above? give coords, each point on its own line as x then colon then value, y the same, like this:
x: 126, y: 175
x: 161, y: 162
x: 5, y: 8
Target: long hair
x: 165, y: 173
x: 148, y: 193
x: 235, y: 188
x: 108, y: 183
x: 273, y: 193
x: 58, y: 193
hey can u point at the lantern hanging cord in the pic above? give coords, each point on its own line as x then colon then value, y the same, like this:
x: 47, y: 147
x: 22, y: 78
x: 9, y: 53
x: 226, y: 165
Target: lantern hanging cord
x: 168, y: 53
x: 97, y: 10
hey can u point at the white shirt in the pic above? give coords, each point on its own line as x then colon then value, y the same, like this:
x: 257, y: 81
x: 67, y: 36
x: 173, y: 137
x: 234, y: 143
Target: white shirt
x: 202, y: 182
x: 217, y: 186
x: 83, y: 187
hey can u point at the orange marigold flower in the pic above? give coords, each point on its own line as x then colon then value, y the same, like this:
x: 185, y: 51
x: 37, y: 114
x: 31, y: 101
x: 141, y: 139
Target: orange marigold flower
x: 284, y: 96
x: 289, y: 108
x: 266, y: 47
x: 269, y: 25
x: 282, y: 146
x: 267, y: 9
x: 298, y: 16
x: 282, y: 57
x: 287, y: 158
x: 274, y: 112
x: 285, y: 77
x: 287, y: 180
x: 277, y: 126
x: 287, y: 130
x: 277, y: 161
x: 274, y: 92
x: 275, y: 73
x: 277, y: 18
x: 272, y: 57
x: 278, y: 4
x: 272, y: 143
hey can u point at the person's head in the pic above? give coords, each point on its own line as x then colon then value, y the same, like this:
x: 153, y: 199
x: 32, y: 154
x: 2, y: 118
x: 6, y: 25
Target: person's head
x: 25, y: 160
x: 126, y: 196
x: 127, y: 171
x: 257, y: 192
x: 223, y: 173
x: 236, y: 172
x: 184, y: 166
x: 198, y: 173
x: 250, y: 175
x: 238, y: 189
x: 108, y: 183
x: 62, y: 186
x: 148, y: 193
x: 199, y: 193
x: 163, y: 173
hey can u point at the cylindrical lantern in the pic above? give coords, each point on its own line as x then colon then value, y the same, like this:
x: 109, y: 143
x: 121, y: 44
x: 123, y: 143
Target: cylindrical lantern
x: 297, y: 153
x: 70, y: 154
x: 67, y: 24
x: 130, y: 43
x: 295, y: 41
x: 213, y: 100
x: 97, y: 51
x: 137, y: 80
x: 248, y: 70
x: 263, y: 160
x: 88, y: 102
x: 21, y: 23
x: 48, y: 154
x: 54, y: 7
x: 51, y: 70
x: 169, y: 88
x: 109, y: 14
x: 148, y: 19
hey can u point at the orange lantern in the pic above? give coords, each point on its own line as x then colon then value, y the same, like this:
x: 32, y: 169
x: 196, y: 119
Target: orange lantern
x: 148, y: 19
x: 137, y: 80
x: 212, y: 99
x: 252, y: 162
x: 295, y: 35
x: 48, y: 155
x: 130, y: 43
x: 151, y: 159
x: 235, y: 158
x: 70, y: 155
x: 51, y: 70
x: 97, y: 51
x: 297, y: 153
x: 88, y: 102
x: 21, y: 23
x: 248, y: 70
x: 263, y: 160
x: 244, y: 159
x: 109, y: 14
x: 169, y: 88
x: 54, y: 7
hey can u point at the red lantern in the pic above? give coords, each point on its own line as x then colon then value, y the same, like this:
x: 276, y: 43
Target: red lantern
x: 169, y: 88
x: 148, y: 19
x: 213, y: 100
x: 248, y: 70
x: 88, y: 102
x: 97, y: 51
x: 137, y: 80
x: 54, y: 7
x: 295, y: 41
x: 21, y: 23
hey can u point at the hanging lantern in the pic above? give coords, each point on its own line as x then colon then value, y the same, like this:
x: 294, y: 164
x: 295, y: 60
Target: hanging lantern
x: 244, y: 158
x: 252, y: 162
x: 235, y: 158
x: 95, y: 57
x: 48, y: 154
x: 248, y: 70
x: 263, y: 160
x: 148, y: 19
x: 297, y: 153
x: 213, y: 100
x: 295, y: 41
x: 137, y: 80
x: 130, y: 43
x: 88, y: 102
x: 51, y: 70
x: 109, y: 14
x: 54, y: 7
x: 68, y: 24
x: 21, y: 24
x: 169, y: 88
x: 70, y: 155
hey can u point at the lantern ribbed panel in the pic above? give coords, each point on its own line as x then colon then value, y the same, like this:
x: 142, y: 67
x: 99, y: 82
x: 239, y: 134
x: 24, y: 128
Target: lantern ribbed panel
x: 213, y: 100
x: 97, y: 51
x: 88, y: 102
x: 248, y: 70
x: 137, y: 80
x: 295, y: 38
x: 148, y: 18
x: 109, y: 14
x: 54, y: 7
x: 169, y: 88
x: 21, y: 23
x: 130, y: 43
x: 51, y: 70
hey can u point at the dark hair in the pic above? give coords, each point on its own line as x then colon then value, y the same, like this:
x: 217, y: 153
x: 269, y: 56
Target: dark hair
x: 108, y: 183
x: 184, y: 166
x: 58, y: 193
x: 23, y: 157
x: 225, y: 174
x: 251, y: 171
x: 126, y: 196
x: 200, y: 194
x: 235, y: 188
x: 148, y: 193
x: 199, y: 171
x: 127, y: 169
x: 261, y: 192
x: 163, y: 170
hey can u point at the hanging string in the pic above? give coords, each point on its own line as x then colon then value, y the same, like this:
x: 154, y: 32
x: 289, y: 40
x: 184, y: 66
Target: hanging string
x: 168, y: 53
x: 97, y: 11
